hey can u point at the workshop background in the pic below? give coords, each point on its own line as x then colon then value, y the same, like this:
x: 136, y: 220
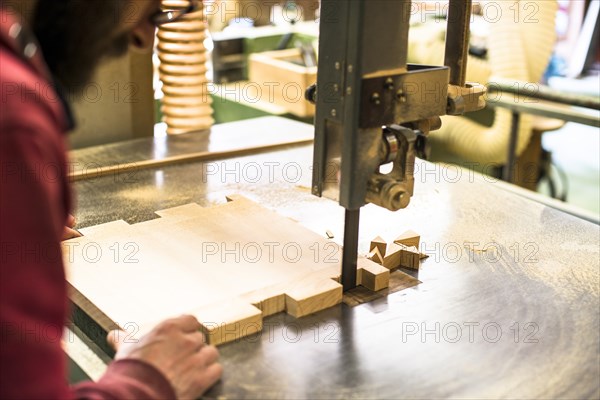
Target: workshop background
x: 238, y: 60
x: 247, y: 59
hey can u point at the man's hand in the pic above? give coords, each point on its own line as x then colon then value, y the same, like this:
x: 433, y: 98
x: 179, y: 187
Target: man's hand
x: 69, y: 232
x: 177, y: 349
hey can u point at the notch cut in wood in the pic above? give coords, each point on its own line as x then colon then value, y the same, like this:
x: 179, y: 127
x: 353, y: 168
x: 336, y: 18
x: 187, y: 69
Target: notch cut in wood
x: 375, y: 256
x: 212, y: 263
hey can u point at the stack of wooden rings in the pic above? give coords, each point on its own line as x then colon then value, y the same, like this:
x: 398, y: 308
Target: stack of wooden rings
x: 186, y: 104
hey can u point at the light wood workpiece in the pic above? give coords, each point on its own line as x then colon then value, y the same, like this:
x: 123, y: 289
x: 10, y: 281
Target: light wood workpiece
x: 508, y: 306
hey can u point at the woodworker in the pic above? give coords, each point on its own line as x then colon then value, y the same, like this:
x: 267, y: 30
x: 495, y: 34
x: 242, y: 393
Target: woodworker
x: 47, y: 48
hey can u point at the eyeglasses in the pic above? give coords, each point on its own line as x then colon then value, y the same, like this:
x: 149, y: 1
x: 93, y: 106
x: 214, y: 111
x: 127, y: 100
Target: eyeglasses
x: 174, y: 13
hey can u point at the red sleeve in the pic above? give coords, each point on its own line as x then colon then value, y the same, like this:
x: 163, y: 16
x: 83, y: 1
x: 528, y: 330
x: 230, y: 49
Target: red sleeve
x: 127, y: 379
x: 34, y: 202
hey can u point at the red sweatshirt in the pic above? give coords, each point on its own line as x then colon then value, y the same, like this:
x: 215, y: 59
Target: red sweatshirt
x: 34, y: 204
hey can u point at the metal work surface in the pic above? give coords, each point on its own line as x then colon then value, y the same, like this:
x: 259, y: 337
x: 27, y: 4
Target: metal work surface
x: 508, y: 306
x: 227, y: 140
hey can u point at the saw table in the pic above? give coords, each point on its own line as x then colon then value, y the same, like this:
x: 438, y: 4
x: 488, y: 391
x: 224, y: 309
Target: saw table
x: 508, y: 304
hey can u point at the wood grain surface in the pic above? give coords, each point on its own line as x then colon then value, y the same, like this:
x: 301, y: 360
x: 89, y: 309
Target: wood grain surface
x: 229, y: 265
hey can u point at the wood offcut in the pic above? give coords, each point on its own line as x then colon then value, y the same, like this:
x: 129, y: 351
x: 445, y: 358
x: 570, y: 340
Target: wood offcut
x: 402, y: 252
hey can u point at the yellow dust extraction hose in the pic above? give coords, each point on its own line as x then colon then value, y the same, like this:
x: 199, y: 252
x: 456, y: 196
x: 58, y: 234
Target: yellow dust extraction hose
x: 521, y: 40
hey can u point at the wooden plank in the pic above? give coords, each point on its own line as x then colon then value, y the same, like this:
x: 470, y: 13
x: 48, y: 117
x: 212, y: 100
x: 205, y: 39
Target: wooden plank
x: 108, y: 227
x: 184, y: 211
x: 230, y: 265
x: 309, y: 295
x: 226, y: 322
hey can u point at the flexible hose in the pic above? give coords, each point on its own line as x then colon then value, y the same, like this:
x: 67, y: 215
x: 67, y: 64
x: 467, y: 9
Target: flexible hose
x: 519, y: 47
x: 186, y: 104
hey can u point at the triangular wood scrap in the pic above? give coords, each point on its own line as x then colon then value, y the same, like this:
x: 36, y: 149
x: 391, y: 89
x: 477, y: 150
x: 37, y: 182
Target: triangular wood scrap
x: 378, y: 243
x: 375, y: 255
x: 408, y: 238
x: 392, y: 256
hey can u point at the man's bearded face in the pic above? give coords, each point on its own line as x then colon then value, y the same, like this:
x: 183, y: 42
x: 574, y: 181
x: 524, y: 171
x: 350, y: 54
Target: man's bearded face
x: 75, y: 35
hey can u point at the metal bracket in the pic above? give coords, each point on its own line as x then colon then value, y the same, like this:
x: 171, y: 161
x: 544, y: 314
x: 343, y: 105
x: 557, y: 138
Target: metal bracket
x: 419, y: 93
x: 394, y: 189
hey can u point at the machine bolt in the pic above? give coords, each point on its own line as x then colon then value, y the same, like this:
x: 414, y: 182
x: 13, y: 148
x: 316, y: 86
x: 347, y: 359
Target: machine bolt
x: 389, y: 84
x: 337, y: 65
x: 349, y: 90
x: 311, y: 93
x: 394, y: 197
x: 333, y: 112
x: 350, y: 68
x: 336, y: 87
x: 401, y: 96
x: 376, y: 99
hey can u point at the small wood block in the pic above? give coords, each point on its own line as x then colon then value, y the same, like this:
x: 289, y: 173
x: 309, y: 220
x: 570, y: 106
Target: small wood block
x: 371, y: 275
x: 310, y: 295
x: 410, y: 257
x: 378, y: 243
x: 375, y: 256
x: 392, y: 256
x: 228, y: 321
x: 270, y: 300
x: 408, y: 238
x: 272, y: 305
